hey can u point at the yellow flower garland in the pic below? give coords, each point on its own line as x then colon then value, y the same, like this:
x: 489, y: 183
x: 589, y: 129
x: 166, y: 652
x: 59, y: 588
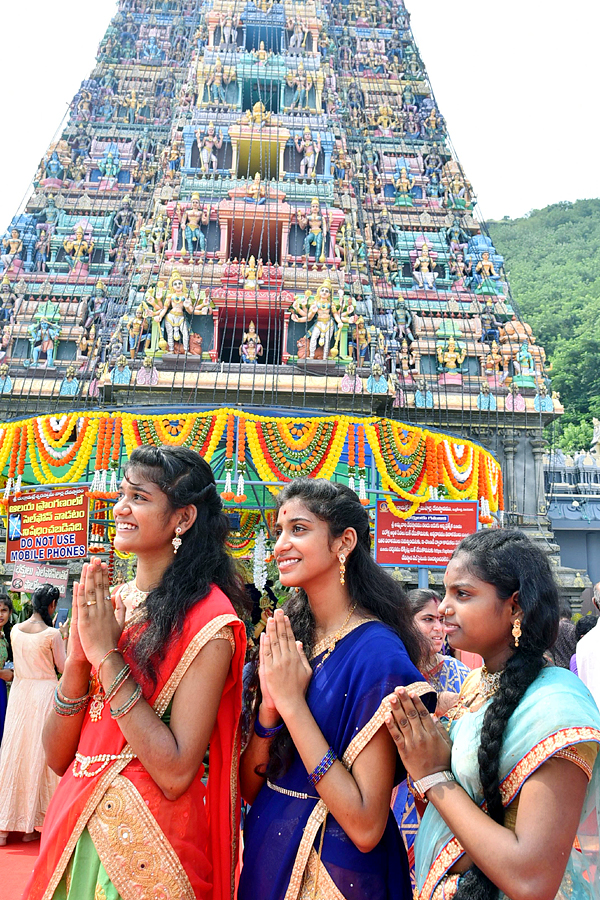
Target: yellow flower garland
x: 294, y: 432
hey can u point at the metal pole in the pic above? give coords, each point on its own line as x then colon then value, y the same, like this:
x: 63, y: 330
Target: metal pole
x: 423, y: 577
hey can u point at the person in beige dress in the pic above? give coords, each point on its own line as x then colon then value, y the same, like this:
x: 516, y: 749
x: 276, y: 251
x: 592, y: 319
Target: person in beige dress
x: 26, y: 782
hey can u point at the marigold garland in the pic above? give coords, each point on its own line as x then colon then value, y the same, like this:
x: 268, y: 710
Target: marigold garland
x: 412, y: 463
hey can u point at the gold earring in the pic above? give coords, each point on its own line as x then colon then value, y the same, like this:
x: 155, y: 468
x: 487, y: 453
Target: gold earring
x: 342, y: 559
x: 516, y: 631
x: 176, y: 540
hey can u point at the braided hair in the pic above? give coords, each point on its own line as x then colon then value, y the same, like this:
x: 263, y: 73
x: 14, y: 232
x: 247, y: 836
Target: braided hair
x: 369, y: 586
x: 511, y: 562
x: 202, y: 561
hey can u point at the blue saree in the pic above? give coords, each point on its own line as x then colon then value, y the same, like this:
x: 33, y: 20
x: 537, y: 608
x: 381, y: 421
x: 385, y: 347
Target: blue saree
x: 347, y: 697
x: 556, y: 712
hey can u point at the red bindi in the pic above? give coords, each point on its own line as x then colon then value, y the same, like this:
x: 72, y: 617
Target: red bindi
x: 284, y: 512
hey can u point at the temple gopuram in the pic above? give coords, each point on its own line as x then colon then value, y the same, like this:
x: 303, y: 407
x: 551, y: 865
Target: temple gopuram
x: 253, y: 237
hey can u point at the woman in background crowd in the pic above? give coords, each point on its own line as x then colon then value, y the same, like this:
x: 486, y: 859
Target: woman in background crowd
x: 26, y: 782
x: 582, y: 627
x: 512, y: 791
x: 6, y: 665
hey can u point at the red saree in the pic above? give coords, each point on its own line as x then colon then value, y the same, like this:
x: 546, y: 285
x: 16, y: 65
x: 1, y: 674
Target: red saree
x: 184, y: 849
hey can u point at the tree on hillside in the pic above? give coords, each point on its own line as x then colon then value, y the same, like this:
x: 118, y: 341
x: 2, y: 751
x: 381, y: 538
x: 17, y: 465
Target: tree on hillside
x: 552, y: 259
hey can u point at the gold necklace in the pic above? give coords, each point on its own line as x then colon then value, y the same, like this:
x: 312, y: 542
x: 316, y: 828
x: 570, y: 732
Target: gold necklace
x: 334, y: 639
x: 138, y: 596
x: 489, y: 682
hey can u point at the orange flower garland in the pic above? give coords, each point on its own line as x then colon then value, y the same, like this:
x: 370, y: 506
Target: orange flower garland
x: 228, y: 493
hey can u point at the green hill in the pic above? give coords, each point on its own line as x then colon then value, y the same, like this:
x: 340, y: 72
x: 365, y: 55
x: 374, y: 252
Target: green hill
x: 552, y: 258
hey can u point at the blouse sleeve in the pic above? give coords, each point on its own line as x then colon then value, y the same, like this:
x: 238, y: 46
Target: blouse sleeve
x: 58, y: 650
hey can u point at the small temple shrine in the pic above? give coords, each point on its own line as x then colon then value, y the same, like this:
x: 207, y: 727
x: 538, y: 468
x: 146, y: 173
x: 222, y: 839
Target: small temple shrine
x: 252, y: 236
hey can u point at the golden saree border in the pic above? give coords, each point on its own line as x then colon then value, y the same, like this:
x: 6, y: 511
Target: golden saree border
x: 137, y: 855
x: 314, y: 822
x: 191, y: 652
x: 368, y: 731
x: 103, y: 784
x: 233, y: 784
x: 444, y: 861
x: 447, y: 888
x: 319, y: 813
x: 540, y: 754
x: 127, y: 755
x: 509, y: 788
x: 318, y: 883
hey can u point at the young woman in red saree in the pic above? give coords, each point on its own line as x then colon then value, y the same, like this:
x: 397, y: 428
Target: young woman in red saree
x: 132, y: 817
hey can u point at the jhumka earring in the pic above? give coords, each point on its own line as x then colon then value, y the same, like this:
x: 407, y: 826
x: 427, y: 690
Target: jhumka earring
x: 176, y: 540
x: 516, y: 631
x: 342, y: 559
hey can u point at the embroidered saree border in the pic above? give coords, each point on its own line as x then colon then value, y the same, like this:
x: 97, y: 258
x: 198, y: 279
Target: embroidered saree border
x: 137, y: 855
x: 103, y: 784
x: 318, y: 883
x: 315, y: 820
x: 509, y: 788
x: 127, y: 755
x: 233, y: 793
x: 444, y: 861
x: 360, y: 741
x: 319, y: 813
x: 539, y: 754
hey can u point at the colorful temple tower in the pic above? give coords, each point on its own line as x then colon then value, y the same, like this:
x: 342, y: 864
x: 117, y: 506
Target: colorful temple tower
x: 253, y: 236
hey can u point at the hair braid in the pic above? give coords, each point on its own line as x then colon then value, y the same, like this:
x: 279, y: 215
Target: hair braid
x: 514, y: 565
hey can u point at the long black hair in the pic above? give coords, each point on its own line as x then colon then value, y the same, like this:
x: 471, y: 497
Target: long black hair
x: 511, y: 562
x: 6, y: 601
x: 41, y: 599
x: 202, y: 561
x: 369, y: 586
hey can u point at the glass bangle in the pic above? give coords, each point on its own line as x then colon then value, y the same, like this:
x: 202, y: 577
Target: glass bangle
x: 262, y: 732
x: 323, y: 767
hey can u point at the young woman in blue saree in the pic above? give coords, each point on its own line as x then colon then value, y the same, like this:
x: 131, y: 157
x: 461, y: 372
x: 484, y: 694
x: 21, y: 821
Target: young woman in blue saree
x: 319, y: 768
x: 512, y: 789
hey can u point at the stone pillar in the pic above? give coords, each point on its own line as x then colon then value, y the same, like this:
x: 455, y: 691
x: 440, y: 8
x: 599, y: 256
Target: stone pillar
x: 538, y: 445
x: 510, y: 500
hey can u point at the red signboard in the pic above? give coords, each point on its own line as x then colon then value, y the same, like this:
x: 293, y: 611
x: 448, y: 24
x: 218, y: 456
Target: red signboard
x: 428, y: 538
x: 48, y: 526
x: 30, y: 576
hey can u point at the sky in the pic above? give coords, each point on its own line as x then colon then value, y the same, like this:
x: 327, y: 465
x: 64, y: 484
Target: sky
x: 516, y: 82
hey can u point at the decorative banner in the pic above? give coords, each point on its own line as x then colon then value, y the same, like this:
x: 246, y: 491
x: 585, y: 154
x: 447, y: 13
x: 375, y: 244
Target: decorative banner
x: 428, y: 538
x: 46, y: 526
x: 410, y: 464
x: 29, y: 576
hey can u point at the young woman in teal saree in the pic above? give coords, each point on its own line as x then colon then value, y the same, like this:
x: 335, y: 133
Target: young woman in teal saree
x: 512, y: 789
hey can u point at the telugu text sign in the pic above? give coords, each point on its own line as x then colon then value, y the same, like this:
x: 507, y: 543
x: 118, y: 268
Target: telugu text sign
x: 28, y: 577
x: 428, y: 538
x: 48, y: 526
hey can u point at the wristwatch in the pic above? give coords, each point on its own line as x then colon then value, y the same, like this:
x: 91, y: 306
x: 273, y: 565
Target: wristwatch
x: 421, y: 786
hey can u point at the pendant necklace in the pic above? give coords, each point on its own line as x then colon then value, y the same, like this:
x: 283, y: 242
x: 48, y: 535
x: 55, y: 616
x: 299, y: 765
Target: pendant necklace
x: 334, y: 639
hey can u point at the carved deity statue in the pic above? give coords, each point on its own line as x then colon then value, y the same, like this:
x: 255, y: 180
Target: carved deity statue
x: 314, y: 223
x: 173, y: 313
x: 310, y: 150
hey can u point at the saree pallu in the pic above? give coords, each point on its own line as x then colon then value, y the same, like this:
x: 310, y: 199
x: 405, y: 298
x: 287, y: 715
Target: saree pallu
x: 556, y: 712
x: 448, y: 675
x: 284, y: 857
x: 151, y: 847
